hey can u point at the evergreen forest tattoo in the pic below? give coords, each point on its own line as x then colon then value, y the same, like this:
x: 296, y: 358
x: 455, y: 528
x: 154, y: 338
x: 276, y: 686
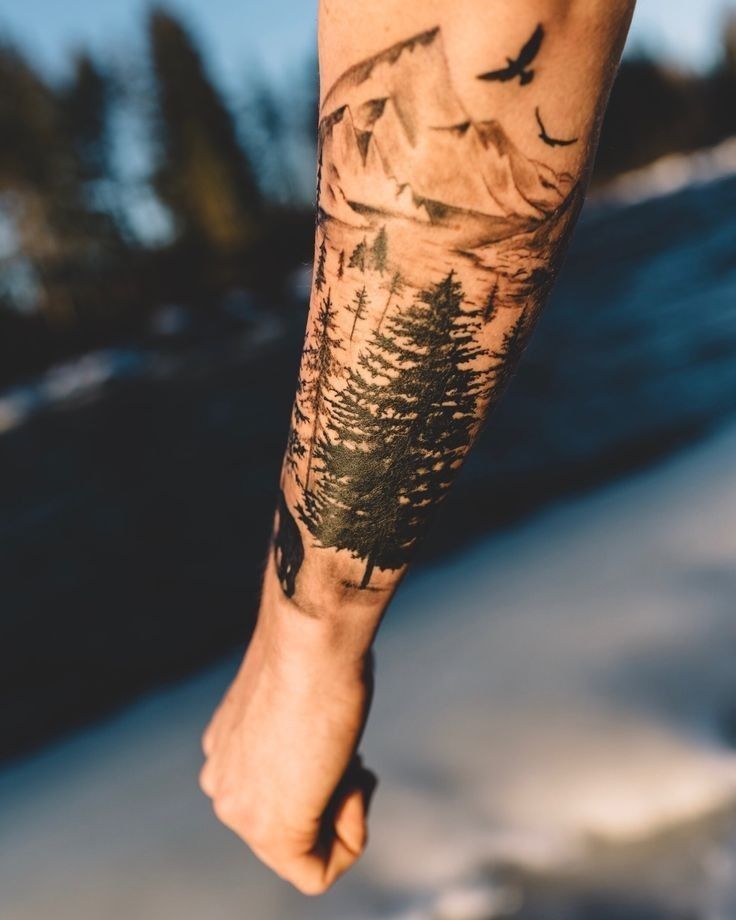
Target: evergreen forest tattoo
x: 437, y: 243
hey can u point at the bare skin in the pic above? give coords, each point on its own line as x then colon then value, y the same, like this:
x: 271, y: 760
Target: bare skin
x: 282, y: 767
x: 427, y: 285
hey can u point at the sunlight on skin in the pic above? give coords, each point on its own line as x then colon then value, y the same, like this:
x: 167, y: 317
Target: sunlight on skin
x: 443, y: 215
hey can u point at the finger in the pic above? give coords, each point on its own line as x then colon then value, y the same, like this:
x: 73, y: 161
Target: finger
x: 216, y: 725
x: 208, y: 738
x: 350, y: 826
x: 207, y: 779
x: 352, y: 813
x: 343, y: 842
x: 314, y: 874
x: 341, y: 858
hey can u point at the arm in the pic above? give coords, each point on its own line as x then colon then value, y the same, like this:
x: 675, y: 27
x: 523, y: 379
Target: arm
x: 454, y: 141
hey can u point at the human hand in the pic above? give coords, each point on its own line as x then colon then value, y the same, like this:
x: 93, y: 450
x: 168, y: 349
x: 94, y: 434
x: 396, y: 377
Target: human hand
x: 281, y: 764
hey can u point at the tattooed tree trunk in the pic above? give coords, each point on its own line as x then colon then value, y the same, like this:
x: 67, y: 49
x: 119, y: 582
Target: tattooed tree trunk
x: 320, y: 366
x: 370, y: 565
x: 382, y: 317
x: 310, y: 453
x: 359, y: 308
x: 394, y: 289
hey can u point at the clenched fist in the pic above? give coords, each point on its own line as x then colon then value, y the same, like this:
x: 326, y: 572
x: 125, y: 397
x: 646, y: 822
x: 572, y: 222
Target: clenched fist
x: 282, y: 768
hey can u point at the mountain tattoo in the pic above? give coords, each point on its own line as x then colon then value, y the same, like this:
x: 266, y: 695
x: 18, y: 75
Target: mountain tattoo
x: 438, y: 241
x: 551, y: 141
x: 519, y: 67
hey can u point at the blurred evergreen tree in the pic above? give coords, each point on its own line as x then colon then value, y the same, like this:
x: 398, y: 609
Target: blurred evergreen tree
x: 649, y: 114
x: 728, y: 57
x: 35, y: 169
x: 272, y: 139
x: 723, y: 86
x: 29, y: 123
x: 280, y: 131
x: 202, y: 173
x: 86, y: 103
x: 655, y: 110
x: 40, y: 173
x: 87, y: 100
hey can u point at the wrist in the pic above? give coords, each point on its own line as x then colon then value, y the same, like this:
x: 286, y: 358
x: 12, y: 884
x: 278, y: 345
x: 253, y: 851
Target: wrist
x: 340, y: 634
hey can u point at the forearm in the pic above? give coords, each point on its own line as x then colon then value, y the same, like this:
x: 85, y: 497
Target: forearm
x: 445, y: 202
x: 454, y: 142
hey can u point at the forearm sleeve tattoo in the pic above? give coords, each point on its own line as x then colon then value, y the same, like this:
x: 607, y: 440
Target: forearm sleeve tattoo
x: 438, y: 238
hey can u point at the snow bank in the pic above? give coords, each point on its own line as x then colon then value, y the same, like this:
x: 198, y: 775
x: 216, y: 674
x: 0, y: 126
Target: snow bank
x: 559, y: 684
x: 670, y: 174
x: 79, y: 378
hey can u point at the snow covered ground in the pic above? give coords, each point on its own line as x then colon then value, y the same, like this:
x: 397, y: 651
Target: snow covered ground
x: 561, y: 685
x: 671, y: 173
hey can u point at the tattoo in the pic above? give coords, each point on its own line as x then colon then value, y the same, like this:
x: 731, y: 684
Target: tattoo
x: 358, y: 308
x: 551, y: 141
x: 321, y: 367
x: 319, y: 272
x: 288, y: 548
x: 519, y: 67
x: 397, y: 431
x: 438, y: 242
x: 490, y: 308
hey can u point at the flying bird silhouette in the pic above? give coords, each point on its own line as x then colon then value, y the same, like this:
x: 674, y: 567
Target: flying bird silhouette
x: 519, y: 67
x: 552, y: 141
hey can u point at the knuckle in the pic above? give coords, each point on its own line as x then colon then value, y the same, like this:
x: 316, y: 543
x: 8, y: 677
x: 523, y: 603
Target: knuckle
x: 206, y: 740
x: 312, y: 886
x: 259, y: 828
x: 207, y: 780
x: 254, y: 825
x: 225, y: 808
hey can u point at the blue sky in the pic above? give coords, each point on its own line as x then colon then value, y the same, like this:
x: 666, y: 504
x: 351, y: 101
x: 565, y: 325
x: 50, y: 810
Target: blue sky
x: 277, y: 34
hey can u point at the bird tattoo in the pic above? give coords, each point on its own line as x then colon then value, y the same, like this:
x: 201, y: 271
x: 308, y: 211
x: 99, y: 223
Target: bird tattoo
x: 519, y: 67
x: 552, y: 141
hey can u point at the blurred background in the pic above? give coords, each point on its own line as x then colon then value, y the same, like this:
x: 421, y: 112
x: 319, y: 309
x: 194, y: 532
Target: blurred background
x: 561, y: 745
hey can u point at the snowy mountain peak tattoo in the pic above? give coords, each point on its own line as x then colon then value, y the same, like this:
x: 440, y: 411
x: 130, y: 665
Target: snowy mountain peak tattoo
x: 396, y: 141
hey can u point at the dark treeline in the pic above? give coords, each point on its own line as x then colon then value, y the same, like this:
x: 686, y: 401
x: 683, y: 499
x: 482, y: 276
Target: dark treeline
x: 78, y: 269
x: 230, y: 186
x: 655, y: 110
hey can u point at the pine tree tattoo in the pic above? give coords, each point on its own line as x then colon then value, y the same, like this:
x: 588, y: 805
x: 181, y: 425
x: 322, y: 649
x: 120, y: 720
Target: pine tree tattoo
x: 321, y: 367
x: 439, y: 239
x: 389, y: 451
x: 359, y: 308
x: 320, y: 278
